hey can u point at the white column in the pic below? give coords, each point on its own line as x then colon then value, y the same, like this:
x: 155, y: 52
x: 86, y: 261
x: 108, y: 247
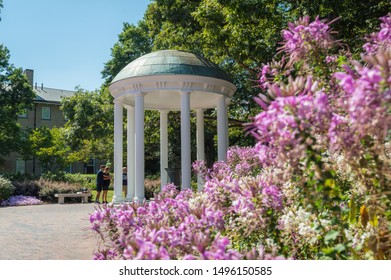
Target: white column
x: 227, y: 101
x: 200, y: 144
x: 222, y: 121
x: 163, y: 147
x: 185, y: 140
x: 118, y: 149
x: 131, y: 191
x: 139, y: 146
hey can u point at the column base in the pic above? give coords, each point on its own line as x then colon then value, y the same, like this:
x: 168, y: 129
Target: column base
x: 117, y: 199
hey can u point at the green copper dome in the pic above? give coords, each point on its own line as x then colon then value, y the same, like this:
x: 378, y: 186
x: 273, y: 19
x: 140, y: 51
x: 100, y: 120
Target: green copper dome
x: 171, y: 62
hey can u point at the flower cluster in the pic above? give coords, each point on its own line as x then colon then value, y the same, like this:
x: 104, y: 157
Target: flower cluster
x: 21, y: 200
x: 316, y: 184
x: 381, y: 38
x: 332, y: 144
x: 366, y: 99
x: 187, y: 225
x: 305, y: 37
x: 284, y: 130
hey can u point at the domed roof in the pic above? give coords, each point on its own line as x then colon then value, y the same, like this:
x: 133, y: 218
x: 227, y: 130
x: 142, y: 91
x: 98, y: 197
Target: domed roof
x: 163, y: 76
x: 171, y: 62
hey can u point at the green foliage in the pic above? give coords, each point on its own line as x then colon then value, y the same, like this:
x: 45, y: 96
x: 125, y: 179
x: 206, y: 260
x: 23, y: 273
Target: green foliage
x: 15, y: 95
x: 237, y: 35
x: 27, y: 188
x: 49, y: 147
x: 19, y: 177
x: 84, y: 180
x: 89, y: 129
x: 6, y: 188
x: 133, y: 42
x: 233, y: 34
x: 356, y: 18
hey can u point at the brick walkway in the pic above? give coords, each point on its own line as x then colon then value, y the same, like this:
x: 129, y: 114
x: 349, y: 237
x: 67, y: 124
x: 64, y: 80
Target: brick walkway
x: 47, y: 232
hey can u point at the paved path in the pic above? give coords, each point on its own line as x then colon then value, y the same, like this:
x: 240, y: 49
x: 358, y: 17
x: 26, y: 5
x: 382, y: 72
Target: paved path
x: 47, y: 232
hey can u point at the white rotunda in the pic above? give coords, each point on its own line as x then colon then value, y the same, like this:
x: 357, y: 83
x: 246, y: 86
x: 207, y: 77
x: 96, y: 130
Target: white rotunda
x: 167, y: 80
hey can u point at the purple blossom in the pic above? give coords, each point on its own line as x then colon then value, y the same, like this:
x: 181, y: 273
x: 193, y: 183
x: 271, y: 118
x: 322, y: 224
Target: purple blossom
x: 381, y: 39
x: 272, y: 197
x: 107, y: 254
x: 304, y: 37
x: 21, y: 200
x: 346, y: 81
x: 331, y: 58
x: 282, y: 129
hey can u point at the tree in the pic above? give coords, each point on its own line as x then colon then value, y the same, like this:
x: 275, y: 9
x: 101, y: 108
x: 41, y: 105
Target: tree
x: 133, y: 42
x: 239, y: 36
x: 89, y: 129
x: 50, y: 148
x: 16, y: 95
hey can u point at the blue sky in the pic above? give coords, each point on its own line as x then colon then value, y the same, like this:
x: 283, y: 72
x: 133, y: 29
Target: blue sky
x: 65, y: 42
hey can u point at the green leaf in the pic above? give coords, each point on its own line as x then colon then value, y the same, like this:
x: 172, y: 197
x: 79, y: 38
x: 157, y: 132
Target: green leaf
x: 331, y: 236
x: 339, y: 248
x: 330, y: 183
x: 353, y: 210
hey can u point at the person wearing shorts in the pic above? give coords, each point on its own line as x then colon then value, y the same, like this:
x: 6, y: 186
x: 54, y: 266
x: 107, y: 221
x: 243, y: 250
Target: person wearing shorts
x: 125, y: 181
x: 99, y: 182
x: 106, y: 183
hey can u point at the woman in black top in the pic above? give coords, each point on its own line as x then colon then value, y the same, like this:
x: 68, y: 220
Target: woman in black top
x: 125, y: 181
x: 106, y: 183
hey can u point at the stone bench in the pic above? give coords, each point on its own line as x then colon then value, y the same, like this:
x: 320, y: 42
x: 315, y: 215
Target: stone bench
x: 61, y: 196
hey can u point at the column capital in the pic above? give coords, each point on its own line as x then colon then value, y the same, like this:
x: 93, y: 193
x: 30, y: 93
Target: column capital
x: 128, y: 107
x: 222, y: 96
x: 140, y: 93
x: 184, y: 91
x: 118, y: 101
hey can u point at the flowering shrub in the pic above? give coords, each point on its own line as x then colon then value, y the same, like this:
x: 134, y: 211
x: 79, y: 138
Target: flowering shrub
x: 315, y: 186
x: 175, y: 225
x: 328, y: 138
x: 21, y: 200
x: 48, y: 188
x: 6, y: 188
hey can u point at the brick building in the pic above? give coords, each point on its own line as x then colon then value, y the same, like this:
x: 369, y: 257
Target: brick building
x: 46, y: 112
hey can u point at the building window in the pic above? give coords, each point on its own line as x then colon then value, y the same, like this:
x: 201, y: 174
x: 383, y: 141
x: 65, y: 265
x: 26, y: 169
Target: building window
x: 68, y: 169
x: 46, y: 113
x: 22, y: 113
x: 24, y: 135
x: 20, y: 166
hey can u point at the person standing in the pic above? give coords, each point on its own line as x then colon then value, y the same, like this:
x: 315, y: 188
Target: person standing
x: 125, y: 181
x: 99, y: 182
x: 106, y: 183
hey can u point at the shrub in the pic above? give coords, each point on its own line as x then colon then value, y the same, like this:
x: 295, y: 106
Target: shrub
x: 19, y: 177
x: 84, y: 180
x: 27, y: 188
x: 49, y: 188
x: 6, y: 188
x: 152, y: 187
